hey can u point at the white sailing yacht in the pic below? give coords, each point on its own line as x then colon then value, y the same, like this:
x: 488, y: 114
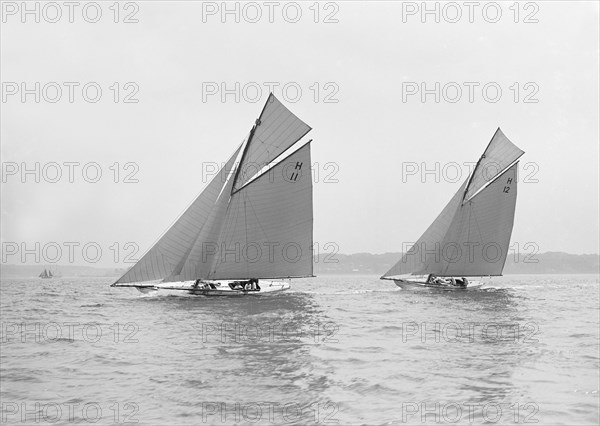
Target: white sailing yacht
x: 250, y: 228
x: 470, y: 237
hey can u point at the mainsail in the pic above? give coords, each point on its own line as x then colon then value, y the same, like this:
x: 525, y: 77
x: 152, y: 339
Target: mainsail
x: 470, y: 237
x: 268, y: 226
x: 244, y: 225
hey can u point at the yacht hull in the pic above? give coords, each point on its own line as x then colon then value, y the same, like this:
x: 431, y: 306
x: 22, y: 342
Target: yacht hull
x: 219, y: 288
x: 421, y: 285
x: 226, y: 291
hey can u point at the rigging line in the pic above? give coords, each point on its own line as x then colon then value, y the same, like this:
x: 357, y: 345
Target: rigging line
x: 189, y: 263
x: 230, y: 225
x: 479, y: 162
x: 257, y: 123
x: 232, y: 172
x: 220, y: 237
x: 471, y: 214
x: 180, y: 266
x: 169, y: 268
x: 297, y: 122
x: 444, y: 238
x: 308, y: 129
x: 152, y: 259
x: 230, y: 215
x: 477, y: 225
x: 234, y: 224
x: 461, y: 225
x: 281, y: 109
x: 226, y: 226
x: 246, y: 226
x: 244, y: 153
x: 262, y: 141
x: 227, y: 182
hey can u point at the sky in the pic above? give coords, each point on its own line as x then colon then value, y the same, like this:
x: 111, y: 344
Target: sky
x: 189, y: 81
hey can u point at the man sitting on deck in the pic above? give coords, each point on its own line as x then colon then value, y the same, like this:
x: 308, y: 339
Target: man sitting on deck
x: 252, y: 285
x: 435, y: 280
x: 462, y: 282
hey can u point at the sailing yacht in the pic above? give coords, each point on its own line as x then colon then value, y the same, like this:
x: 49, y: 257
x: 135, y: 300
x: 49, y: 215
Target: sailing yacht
x: 470, y: 237
x: 250, y: 228
x: 46, y: 274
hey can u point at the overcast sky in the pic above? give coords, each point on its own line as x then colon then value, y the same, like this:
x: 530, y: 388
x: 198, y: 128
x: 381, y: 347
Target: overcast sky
x: 369, y: 60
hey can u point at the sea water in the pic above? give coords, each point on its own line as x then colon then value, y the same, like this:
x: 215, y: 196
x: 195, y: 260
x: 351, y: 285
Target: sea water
x: 332, y: 350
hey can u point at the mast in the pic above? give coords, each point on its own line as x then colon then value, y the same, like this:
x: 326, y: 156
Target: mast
x: 477, y: 165
x: 250, y: 136
x: 245, y: 152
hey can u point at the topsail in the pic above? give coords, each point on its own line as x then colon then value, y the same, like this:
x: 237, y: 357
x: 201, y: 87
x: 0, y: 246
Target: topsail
x: 253, y: 220
x: 470, y: 237
x: 499, y: 154
x: 276, y: 130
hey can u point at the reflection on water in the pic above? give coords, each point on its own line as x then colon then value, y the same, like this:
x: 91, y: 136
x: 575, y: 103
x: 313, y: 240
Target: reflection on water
x: 353, y: 349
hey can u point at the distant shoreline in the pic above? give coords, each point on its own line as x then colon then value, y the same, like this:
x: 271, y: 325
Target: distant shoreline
x: 352, y: 264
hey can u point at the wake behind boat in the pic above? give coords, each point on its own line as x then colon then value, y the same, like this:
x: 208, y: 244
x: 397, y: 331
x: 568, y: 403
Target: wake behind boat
x: 252, y: 225
x: 470, y: 237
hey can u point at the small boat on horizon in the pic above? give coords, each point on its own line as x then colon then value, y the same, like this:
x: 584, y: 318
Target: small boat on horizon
x: 252, y: 225
x: 471, y: 236
x: 46, y: 274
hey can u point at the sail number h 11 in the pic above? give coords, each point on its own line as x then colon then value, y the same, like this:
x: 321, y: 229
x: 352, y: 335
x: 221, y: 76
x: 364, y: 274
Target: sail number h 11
x: 291, y: 171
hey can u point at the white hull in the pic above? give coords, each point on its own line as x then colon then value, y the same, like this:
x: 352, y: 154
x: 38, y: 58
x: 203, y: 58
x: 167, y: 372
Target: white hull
x: 221, y: 288
x: 407, y: 284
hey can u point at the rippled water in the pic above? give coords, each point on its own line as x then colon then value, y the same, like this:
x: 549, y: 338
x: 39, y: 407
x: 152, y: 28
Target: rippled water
x: 355, y: 350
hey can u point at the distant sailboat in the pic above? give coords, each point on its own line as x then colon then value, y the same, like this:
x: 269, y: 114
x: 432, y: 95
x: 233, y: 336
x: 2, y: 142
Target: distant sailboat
x: 471, y: 235
x: 46, y: 274
x: 252, y: 224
